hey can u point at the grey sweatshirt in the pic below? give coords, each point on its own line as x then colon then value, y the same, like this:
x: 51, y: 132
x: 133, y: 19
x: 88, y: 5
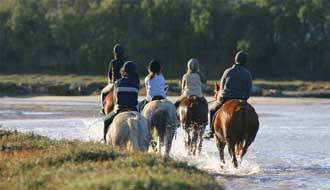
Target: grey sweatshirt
x: 236, y: 82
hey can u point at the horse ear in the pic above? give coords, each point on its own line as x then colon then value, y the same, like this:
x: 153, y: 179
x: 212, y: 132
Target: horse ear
x: 216, y: 87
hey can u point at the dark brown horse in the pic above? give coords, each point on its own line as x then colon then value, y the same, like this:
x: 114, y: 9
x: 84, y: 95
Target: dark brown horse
x: 236, y: 125
x: 192, y: 113
x: 108, y: 103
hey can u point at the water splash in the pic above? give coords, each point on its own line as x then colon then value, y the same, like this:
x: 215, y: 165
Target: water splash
x: 209, y: 158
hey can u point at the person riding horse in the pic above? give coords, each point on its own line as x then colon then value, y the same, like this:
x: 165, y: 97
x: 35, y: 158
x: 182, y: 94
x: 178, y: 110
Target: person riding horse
x: 192, y: 81
x: 125, y: 93
x: 235, y: 83
x: 154, y: 83
x: 113, y: 71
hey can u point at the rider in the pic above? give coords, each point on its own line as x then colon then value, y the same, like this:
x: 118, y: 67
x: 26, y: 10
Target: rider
x: 155, y: 84
x: 114, y: 70
x: 125, y: 93
x: 236, y: 83
x: 192, y: 81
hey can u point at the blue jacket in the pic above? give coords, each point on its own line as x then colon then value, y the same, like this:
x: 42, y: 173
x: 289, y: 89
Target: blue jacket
x: 126, y: 93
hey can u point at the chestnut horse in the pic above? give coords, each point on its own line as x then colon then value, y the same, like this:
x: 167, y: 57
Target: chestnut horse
x: 192, y: 113
x: 108, y: 103
x: 235, y: 124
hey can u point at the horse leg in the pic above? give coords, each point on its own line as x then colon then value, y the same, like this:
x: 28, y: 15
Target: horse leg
x: 200, y: 138
x: 231, y: 150
x: 169, y: 134
x: 194, y: 139
x: 187, y: 138
x: 221, y: 147
x: 159, y: 144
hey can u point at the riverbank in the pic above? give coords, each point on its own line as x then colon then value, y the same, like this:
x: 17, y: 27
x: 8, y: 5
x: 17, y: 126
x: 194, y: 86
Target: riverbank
x: 30, y: 161
x: 74, y: 85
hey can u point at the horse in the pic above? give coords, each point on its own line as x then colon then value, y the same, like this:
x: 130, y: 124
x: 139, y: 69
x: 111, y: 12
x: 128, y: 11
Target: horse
x: 192, y: 114
x: 129, y: 130
x: 236, y: 125
x: 162, y: 123
x: 108, y: 103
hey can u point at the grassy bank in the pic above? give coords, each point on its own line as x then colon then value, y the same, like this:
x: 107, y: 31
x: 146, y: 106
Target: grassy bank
x: 29, y: 161
x: 92, y: 85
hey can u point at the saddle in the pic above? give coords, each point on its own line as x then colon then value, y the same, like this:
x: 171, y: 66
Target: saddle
x: 157, y: 98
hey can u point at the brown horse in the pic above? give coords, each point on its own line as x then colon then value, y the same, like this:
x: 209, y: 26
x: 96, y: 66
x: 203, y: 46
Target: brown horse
x: 192, y: 113
x: 235, y: 124
x: 108, y: 103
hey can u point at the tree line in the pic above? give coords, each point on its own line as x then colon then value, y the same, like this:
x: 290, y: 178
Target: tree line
x: 285, y: 39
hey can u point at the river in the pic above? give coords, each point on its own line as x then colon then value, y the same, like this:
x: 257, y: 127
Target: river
x: 291, y: 150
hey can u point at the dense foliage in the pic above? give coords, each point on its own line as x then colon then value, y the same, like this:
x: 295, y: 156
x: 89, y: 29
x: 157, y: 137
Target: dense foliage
x: 285, y: 39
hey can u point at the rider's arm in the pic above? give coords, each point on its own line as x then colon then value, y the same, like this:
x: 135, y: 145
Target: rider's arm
x: 183, y: 83
x: 202, y: 76
x: 223, y: 81
x: 110, y: 72
x: 249, y: 85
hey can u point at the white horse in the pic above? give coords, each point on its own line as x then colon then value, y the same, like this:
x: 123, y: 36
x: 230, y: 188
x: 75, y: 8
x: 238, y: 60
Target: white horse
x: 162, y: 121
x: 129, y: 130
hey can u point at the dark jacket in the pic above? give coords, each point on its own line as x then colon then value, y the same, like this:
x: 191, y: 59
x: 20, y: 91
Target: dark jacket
x: 236, y: 82
x: 114, y: 69
x: 126, y: 93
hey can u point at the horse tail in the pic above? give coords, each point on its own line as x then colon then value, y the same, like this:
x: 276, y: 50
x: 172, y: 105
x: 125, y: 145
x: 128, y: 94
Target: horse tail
x: 241, y: 125
x: 133, y: 124
x: 160, y: 118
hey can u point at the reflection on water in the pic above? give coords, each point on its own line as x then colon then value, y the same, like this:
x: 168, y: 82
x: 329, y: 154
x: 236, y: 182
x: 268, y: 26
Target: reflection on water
x: 290, y: 150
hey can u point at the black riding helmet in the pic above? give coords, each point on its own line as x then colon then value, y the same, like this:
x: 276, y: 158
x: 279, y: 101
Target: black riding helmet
x: 129, y: 67
x: 241, y: 57
x: 118, y: 49
x: 154, y: 66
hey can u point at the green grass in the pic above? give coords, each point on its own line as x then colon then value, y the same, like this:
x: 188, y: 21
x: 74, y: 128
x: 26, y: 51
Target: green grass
x: 30, y: 161
x: 34, y: 78
x: 85, y: 80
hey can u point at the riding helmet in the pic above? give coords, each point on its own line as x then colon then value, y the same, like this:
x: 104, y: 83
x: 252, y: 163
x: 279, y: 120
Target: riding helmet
x: 118, y: 49
x: 241, y: 57
x: 193, y: 64
x: 129, y: 67
x: 154, y: 66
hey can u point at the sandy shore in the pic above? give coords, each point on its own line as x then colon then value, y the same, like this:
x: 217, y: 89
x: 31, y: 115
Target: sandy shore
x: 252, y: 100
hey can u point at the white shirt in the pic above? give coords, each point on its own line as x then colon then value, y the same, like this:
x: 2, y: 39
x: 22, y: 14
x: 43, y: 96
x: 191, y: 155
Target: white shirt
x: 155, y: 86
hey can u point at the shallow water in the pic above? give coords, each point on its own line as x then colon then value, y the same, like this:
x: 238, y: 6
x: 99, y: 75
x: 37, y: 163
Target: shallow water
x: 291, y: 150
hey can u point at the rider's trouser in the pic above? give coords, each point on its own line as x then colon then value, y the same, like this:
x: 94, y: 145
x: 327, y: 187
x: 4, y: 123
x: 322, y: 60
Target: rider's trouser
x: 213, y: 109
x: 107, y: 121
